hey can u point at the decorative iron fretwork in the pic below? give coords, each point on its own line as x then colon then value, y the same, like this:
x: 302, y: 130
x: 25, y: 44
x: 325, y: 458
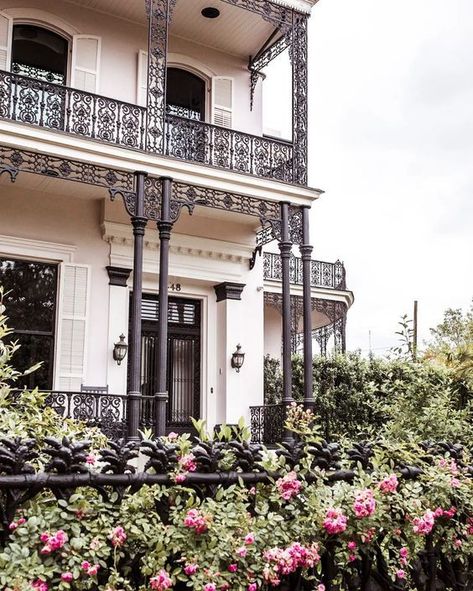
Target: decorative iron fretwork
x: 60, y: 108
x: 295, y: 225
x: 197, y: 141
x: 277, y: 15
x: 191, y: 195
x: 61, y: 168
x: 158, y: 13
x: 38, y: 73
x: 260, y: 61
x: 323, y: 274
x: 267, y: 423
x: 299, y: 82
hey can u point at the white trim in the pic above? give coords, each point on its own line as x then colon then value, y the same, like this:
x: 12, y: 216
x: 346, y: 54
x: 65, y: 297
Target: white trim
x: 42, y: 18
x: 7, y: 47
x: 66, y: 146
x: 189, y: 63
x: 36, y: 249
x: 98, y: 59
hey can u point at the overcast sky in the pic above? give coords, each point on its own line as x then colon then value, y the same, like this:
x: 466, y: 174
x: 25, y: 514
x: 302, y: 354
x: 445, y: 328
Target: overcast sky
x: 391, y: 143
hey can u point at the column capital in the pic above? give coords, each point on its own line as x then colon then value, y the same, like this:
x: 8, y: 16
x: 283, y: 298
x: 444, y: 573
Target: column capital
x: 139, y: 225
x: 118, y: 275
x: 228, y: 291
x: 306, y: 251
x: 165, y: 229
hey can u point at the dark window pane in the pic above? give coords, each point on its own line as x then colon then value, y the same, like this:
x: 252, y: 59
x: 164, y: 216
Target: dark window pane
x: 33, y: 349
x: 185, y: 94
x: 37, y: 51
x: 30, y: 298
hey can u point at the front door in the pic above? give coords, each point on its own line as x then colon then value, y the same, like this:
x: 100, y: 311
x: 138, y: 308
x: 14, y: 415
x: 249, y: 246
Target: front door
x: 183, y: 382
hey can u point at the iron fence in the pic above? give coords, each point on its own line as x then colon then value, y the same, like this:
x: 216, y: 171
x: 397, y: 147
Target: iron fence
x: 322, y: 274
x: 267, y: 423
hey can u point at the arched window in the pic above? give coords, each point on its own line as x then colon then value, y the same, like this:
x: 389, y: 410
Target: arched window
x: 39, y: 53
x: 185, y: 94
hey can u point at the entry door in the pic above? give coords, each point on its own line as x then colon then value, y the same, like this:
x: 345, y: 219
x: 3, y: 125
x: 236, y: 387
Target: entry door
x: 183, y: 383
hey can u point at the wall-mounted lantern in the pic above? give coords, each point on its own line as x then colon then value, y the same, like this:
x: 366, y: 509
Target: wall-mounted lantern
x: 238, y: 358
x: 120, y: 350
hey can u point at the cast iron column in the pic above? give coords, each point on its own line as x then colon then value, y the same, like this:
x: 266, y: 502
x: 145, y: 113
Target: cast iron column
x: 164, y: 227
x: 138, y: 222
x: 285, y: 247
x: 306, y: 254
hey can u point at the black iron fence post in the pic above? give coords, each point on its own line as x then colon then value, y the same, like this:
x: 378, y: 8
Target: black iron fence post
x: 139, y: 224
x: 285, y: 248
x: 164, y: 227
x: 306, y: 253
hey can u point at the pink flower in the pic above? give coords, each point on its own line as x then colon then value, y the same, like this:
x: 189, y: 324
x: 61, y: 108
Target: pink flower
x: 288, y: 486
x: 351, y: 545
x: 250, y: 539
x: 15, y: 524
x: 241, y: 551
x: 252, y: 587
x: 85, y: 565
x: 180, y: 478
x: 93, y: 570
x: 404, y: 555
x: 67, y: 577
x: 53, y: 542
x: 161, y: 581
x: 400, y: 574
x: 457, y: 543
x: 39, y: 585
x: 252, y: 491
x: 321, y: 587
x: 187, y: 463
x: 389, y: 484
x: 424, y: 525
x: 118, y: 536
x: 335, y: 522
x: 364, y: 505
x: 195, y: 520
x: 44, y: 537
x: 90, y: 459
x: 210, y: 587
x: 351, y: 557
x: 232, y: 568
x: 191, y: 569
x: 455, y: 483
x: 172, y: 436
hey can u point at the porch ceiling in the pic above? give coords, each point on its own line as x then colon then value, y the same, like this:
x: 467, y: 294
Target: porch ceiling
x: 236, y: 31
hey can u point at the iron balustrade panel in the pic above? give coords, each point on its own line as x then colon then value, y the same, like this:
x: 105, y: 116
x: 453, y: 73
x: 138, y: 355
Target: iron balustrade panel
x: 322, y: 274
x: 60, y: 108
x: 267, y: 423
x: 197, y: 141
x: 107, y: 412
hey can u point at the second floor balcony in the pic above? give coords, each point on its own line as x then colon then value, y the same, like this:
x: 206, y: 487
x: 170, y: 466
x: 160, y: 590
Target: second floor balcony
x: 163, y: 100
x: 323, y: 274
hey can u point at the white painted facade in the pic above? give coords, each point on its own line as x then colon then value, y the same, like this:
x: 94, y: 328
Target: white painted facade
x: 77, y: 227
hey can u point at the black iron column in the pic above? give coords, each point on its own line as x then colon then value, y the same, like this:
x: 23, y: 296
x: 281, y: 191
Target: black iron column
x: 164, y: 227
x: 299, y: 88
x: 285, y: 247
x: 139, y: 224
x: 306, y: 254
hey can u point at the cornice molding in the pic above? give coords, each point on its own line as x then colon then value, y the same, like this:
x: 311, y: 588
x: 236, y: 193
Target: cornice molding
x: 37, y: 249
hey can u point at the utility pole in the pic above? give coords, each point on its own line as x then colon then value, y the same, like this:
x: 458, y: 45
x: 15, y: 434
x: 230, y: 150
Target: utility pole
x: 414, y: 334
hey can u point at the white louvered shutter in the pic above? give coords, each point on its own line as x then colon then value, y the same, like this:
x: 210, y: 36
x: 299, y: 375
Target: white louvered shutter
x: 73, y: 312
x: 6, y: 25
x: 85, y: 62
x: 222, y: 101
x: 142, y: 78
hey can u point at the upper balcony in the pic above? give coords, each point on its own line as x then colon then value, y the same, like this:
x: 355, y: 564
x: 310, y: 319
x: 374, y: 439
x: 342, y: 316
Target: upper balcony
x: 168, y: 78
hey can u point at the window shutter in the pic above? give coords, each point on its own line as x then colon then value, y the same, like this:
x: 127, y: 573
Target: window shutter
x: 142, y: 78
x: 222, y: 94
x: 6, y: 24
x: 85, y: 62
x: 73, y: 312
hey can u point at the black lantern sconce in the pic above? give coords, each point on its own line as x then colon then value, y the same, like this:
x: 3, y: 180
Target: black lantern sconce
x: 120, y: 350
x: 238, y: 358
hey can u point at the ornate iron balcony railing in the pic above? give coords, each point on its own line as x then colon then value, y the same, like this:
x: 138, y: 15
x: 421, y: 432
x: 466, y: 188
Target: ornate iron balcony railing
x: 322, y: 274
x: 60, y: 108
x: 108, y: 412
x: 188, y: 139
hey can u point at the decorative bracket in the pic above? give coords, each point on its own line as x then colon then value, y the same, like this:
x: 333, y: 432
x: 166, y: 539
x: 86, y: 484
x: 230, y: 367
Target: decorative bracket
x: 11, y: 170
x: 129, y: 198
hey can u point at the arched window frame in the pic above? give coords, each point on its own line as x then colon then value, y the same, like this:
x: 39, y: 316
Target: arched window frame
x: 193, y: 66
